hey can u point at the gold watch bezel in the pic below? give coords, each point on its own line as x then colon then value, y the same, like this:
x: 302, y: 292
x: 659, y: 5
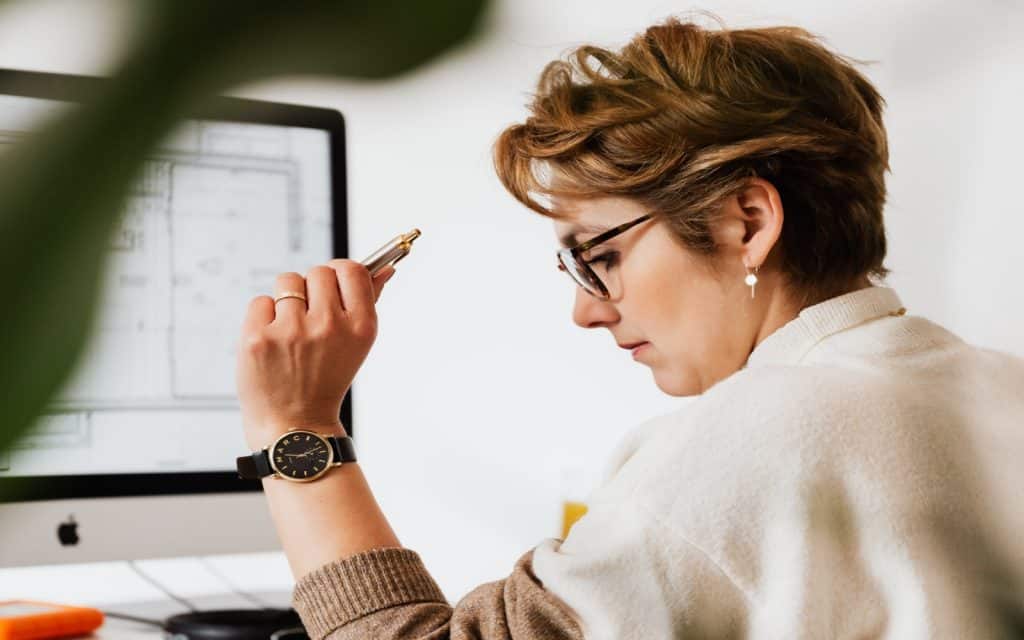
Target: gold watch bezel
x: 284, y: 476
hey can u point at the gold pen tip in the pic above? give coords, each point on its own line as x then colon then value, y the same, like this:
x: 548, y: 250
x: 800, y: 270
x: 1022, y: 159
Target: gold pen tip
x: 412, y: 235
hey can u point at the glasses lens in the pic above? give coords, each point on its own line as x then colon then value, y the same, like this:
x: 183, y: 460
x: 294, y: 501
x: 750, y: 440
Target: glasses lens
x: 590, y: 279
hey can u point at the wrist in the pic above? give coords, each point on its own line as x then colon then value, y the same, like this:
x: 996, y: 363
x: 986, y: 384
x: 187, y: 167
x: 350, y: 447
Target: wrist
x: 259, y: 435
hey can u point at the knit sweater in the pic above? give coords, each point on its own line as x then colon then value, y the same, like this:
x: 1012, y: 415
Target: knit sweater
x: 850, y: 481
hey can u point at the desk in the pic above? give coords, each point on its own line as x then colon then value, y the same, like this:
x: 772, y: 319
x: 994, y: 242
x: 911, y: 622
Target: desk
x: 116, y: 629
x: 207, y: 583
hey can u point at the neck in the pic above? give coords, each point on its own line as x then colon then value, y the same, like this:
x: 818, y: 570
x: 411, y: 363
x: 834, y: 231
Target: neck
x: 783, y: 307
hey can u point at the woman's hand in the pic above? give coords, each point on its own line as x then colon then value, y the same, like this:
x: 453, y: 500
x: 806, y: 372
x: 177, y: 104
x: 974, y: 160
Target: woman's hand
x: 296, y: 359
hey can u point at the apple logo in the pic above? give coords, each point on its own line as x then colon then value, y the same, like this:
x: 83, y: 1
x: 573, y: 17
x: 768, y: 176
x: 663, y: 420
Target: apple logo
x: 67, y: 532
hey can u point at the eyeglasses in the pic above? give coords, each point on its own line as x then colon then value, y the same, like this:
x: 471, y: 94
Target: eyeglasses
x: 598, y: 280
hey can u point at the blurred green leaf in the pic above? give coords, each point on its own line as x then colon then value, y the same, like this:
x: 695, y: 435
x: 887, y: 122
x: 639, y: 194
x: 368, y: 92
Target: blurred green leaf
x: 63, y: 188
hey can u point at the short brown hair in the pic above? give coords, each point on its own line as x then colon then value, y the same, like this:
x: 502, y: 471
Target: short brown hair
x: 682, y: 116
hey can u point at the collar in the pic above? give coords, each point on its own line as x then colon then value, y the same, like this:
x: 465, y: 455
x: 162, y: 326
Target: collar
x: 789, y: 343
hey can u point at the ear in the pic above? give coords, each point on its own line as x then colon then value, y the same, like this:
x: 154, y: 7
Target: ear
x: 750, y: 223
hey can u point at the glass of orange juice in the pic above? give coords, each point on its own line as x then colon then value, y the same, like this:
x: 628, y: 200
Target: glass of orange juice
x: 571, y: 512
x: 574, y: 488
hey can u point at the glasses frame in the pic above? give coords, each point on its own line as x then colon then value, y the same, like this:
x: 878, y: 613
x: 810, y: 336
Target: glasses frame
x: 573, y: 253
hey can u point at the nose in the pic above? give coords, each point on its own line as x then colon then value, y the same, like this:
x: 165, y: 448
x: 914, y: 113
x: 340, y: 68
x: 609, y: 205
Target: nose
x: 591, y: 312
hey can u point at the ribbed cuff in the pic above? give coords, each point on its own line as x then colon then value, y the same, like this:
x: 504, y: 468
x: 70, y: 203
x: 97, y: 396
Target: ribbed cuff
x: 344, y: 590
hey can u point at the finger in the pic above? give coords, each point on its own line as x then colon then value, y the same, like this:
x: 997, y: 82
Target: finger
x: 380, y: 280
x: 322, y: 291
x: 356, y: 287
x: 289, y: 309
x: 259, y: 314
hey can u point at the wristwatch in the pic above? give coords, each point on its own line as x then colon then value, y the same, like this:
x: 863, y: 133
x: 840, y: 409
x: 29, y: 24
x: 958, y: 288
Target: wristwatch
x: 298, y: 455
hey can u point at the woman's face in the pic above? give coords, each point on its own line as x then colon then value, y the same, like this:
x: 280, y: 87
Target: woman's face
x: 700, y: 325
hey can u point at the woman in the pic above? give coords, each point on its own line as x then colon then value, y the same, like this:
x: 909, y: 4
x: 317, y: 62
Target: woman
x: 719, y: 195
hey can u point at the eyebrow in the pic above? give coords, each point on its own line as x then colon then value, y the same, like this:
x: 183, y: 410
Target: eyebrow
x: 571, y: 239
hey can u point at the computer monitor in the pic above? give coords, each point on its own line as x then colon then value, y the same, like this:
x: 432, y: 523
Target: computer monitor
x: 135, y: 458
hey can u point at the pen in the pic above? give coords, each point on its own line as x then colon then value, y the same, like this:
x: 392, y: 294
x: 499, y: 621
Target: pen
x: 391, y: 252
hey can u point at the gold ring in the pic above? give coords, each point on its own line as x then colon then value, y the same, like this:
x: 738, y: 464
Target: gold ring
x: 290, y: 294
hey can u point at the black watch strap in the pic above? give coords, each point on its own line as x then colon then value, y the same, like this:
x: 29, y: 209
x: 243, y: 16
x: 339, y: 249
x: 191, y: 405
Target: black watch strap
x: 343, y: 449
x: 257, y: 465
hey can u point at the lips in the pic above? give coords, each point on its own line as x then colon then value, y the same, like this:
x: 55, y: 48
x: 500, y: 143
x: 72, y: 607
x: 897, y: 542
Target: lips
x: 632, y: 345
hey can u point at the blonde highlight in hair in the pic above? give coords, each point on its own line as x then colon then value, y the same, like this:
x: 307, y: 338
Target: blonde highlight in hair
x: 682, y: 117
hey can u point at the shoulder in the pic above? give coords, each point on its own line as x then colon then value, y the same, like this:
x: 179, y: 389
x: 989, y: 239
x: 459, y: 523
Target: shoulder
x: 766, y: 427
x: 762, y: 403
x: 788, y: 385
x: 767, y: 406
x: 768, y: 394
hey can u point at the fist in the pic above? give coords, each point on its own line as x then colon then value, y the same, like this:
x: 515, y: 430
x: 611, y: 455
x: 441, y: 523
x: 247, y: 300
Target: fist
x: 297, y: 358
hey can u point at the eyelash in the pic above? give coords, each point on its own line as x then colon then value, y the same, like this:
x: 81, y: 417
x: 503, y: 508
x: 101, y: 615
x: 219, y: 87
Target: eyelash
x: 607, y: 258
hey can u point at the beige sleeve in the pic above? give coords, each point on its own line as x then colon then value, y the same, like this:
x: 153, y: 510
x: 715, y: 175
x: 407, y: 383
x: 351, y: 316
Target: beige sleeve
x: 388, y: 593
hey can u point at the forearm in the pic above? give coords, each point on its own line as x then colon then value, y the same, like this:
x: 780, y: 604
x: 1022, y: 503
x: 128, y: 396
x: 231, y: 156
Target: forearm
x: 353, y: 579
x: 388, y: 595
x: 298, y: 354
x: 329, y: 519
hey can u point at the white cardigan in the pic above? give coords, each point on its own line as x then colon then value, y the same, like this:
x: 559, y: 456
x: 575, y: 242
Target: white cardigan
x: 849, y: 482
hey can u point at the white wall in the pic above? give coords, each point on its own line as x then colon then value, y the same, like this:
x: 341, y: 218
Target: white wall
x: 480, y: 391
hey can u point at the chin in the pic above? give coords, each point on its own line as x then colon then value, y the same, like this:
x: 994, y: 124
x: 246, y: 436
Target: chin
x: 678, y: 386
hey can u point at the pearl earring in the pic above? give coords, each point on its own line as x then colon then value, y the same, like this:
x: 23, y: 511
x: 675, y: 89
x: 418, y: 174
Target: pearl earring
x: 751, y: 280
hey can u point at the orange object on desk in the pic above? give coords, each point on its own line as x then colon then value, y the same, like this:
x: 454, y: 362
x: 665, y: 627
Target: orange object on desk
x: 30, y: 620
x: 571, y: 512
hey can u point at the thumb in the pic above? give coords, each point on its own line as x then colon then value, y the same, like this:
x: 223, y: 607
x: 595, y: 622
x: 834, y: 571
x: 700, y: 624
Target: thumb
x: 380, y: 280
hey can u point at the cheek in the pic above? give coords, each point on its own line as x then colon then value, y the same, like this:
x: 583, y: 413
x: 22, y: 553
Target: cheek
x: 671, y: 298
x: 681, y: 310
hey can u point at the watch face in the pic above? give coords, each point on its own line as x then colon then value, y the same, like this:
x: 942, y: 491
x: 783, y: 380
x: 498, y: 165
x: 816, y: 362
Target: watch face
x: 300, y: 455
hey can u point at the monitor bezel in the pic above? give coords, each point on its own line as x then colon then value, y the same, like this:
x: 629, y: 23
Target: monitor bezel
x: 73, y: 88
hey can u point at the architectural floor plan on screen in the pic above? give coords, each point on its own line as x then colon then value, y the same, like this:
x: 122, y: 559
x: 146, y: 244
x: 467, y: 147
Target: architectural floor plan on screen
x: 220, y: 210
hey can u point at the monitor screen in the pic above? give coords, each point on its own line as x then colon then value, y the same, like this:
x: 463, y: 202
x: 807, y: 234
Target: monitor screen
x: 232, y: 198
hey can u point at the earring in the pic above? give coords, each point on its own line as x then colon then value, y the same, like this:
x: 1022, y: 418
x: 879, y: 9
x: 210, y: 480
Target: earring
x: 751, y: 280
